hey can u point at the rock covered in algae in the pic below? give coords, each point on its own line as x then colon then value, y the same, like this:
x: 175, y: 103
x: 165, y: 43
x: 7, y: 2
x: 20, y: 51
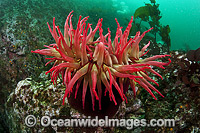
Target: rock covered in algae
x: 38, y: 99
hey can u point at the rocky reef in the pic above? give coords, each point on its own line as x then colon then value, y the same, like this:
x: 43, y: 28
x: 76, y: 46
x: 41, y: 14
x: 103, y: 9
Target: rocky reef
x: 25, y: 89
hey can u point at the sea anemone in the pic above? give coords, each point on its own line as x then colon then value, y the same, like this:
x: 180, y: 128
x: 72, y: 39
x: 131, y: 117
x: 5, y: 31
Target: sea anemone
x: 99, y: 66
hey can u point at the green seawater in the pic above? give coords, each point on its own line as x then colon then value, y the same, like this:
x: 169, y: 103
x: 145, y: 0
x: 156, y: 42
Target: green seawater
x: 183, y: 17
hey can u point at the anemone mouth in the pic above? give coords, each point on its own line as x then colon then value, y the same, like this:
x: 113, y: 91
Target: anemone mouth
x: 100, y: 66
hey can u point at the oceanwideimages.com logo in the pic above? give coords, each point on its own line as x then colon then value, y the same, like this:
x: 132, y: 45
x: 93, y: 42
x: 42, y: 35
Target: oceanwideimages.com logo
x: 46, y: 121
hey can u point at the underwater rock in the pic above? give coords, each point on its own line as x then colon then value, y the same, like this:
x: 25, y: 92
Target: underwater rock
x: 35, y: 98
x: 193, y: 55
